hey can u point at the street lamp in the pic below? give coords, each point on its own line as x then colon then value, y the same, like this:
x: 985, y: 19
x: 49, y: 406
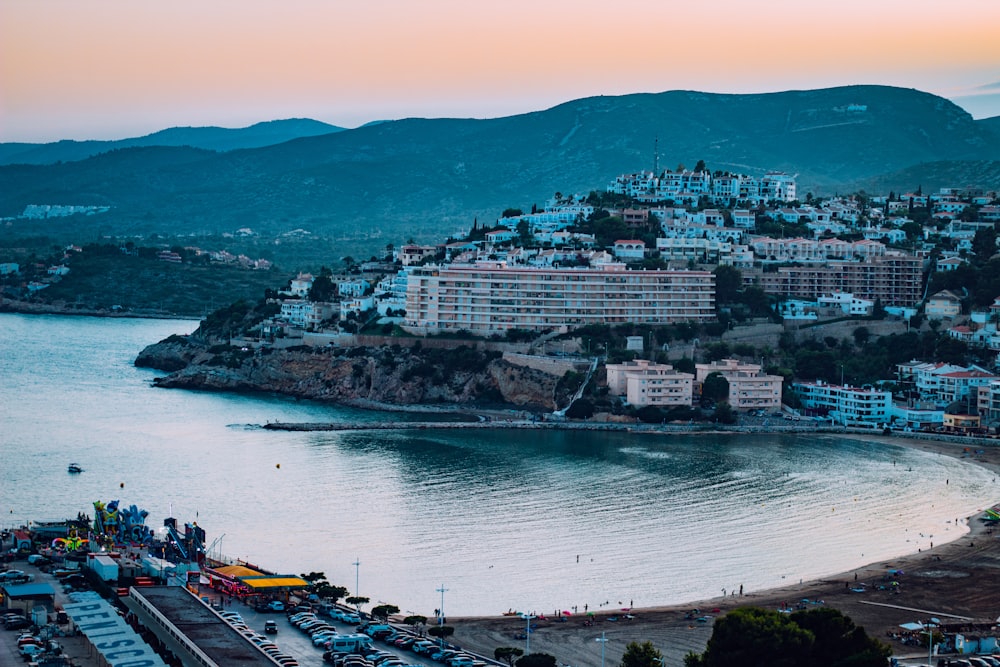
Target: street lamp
x: 603, y: 641
x: 442, y: 591
x: 357, y: 579
x: 527, y: 632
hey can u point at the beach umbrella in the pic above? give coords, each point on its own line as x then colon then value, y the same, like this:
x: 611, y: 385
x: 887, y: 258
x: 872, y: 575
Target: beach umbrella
x: 566, y: 613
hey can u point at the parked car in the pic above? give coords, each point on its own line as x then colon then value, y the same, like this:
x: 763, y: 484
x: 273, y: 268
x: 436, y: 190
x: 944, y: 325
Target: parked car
x: 276, y: 605
x: 17, y: 624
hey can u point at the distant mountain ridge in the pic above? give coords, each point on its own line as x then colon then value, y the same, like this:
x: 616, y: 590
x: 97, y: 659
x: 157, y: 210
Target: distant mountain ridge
x: 426, y: 178
x: 212, y: 138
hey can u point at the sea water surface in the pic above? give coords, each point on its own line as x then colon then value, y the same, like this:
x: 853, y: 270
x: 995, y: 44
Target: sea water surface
x: 500, y: 519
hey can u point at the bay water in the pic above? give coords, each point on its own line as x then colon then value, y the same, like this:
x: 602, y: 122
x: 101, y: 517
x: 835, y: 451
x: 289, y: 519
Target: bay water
x: 500, y: 519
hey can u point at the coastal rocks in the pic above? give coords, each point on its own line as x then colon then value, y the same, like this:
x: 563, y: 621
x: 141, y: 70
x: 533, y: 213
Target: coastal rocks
x: 171, y: 354
x: 461, y: 377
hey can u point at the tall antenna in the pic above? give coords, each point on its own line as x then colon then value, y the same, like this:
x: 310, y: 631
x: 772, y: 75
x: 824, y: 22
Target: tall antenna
x: 656, y: 155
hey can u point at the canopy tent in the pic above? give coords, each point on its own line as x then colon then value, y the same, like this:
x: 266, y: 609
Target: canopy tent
x: 274, y: 581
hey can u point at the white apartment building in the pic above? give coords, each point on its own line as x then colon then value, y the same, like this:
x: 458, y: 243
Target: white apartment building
x: 989, y: 403
x: 306, y: 314
x: 645, y: 383
x: 749, y: 387
x: 492, y: 297
x: 846, y: 405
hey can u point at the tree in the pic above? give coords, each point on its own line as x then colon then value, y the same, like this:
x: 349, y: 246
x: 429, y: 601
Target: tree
x: 507, y: 654
x: 641, y: 655
x: 861, y: 336
x: 728, y: 281
x: 753, y: 637
x: 580, y: 409
x: 441, y: 631
x: 536, y: 660
x: 724, y: 413
x: 384, y: 611
x: 715, y: 387
x: 415, y: 620
x: 322, y: 288
x: 330, y: 592
x: 356, y: 601
x: 511, y: 213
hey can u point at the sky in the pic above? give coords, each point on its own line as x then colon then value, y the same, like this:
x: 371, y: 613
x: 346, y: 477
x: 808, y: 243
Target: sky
x: 111, y: 69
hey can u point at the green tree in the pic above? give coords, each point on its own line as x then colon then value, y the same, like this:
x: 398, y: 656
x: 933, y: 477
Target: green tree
x: 357, y: 601
x: 582, y: 408
x: 329, y: 592
x: 752, y: 637
x: 384, y: 611
x: 322, y: 289
x: 524, y: 235
x: 415, y: 620
x: 511, y: 213
x: 641, y: 655
x: 861, y: 336
x: 715, y: 387
x: 724, y: 413
x: 728, y: 281
x: 507, y: 654
x: 441, y: 631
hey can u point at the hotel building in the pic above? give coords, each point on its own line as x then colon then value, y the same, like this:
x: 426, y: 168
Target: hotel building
x: 491, y: 297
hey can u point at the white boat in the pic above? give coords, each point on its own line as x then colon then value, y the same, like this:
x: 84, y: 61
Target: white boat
x: 74, y: 467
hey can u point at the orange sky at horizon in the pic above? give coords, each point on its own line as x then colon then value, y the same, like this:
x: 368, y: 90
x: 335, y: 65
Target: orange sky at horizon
x: 111, y: 69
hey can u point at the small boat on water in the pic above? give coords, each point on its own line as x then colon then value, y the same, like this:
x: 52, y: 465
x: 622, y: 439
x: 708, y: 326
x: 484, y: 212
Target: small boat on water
x: 74, y: 467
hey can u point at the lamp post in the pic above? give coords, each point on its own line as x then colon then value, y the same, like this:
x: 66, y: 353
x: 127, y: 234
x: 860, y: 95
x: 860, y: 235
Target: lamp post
x: 442, y: 591
x: 357, y: 579
x: 527, y: 632
x: 603, y: 641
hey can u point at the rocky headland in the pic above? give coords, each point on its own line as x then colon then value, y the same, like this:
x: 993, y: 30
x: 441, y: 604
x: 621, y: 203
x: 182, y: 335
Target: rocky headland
x: 460, y: 378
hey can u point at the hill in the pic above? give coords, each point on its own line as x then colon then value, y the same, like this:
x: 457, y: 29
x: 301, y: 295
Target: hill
x: 209, y: 138
x: 424, y: 178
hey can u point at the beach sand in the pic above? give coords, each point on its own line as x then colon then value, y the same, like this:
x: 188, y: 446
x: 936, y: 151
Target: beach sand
x: 958, y: 579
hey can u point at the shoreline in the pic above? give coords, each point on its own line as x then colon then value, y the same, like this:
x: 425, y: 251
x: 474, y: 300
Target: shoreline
x: 953, y: 581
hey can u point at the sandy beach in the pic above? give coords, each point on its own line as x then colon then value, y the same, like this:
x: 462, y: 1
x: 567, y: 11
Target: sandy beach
x: 954, y: 581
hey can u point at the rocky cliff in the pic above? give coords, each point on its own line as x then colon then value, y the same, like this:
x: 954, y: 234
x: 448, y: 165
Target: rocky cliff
x: 462, y: 377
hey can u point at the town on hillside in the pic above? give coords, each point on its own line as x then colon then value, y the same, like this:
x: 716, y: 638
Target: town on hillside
x: 663, y: 256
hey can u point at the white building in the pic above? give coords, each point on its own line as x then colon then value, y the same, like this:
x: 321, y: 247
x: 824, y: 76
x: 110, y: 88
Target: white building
x: 846, y: 405
x: 645, y: 383
x: 492, y: 297
x: 749, y: 387
x: 306, y: 314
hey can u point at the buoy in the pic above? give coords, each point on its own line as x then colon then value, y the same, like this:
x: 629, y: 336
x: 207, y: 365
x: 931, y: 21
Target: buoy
x: 277, y: 465
x: 122, y: 485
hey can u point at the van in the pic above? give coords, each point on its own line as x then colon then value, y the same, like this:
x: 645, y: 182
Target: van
x: 349, y: 643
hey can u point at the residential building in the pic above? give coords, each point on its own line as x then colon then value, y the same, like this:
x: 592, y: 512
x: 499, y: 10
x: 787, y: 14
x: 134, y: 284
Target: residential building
x: 306, y: 314
x: 988, y: 403
x: 749, y: 387
x: 943, y: 305
x: 645, y: 383
x: 356, y: 287
x: 300, y: 285
x: 893, y: 279
x: 845, y: 405
x: 493, y: 297
x: 629, y: 249
x: 410, y: 255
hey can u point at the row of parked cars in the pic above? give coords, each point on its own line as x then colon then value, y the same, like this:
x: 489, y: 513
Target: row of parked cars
x: 29, y: 645
x: 972, y: 661
x: 264, y: 643
x: 356, y: 650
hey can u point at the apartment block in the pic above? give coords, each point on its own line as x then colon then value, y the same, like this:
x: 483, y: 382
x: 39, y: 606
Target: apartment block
x: 893, y: 279
x: 845, y: 405
x: 749, y: 387
x: 491, y: 297
x: 645, y: 383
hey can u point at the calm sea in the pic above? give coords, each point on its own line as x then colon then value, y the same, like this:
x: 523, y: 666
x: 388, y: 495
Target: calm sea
x: 500, y: 519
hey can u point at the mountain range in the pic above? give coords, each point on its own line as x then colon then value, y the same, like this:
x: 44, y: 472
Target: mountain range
x: 426, y: 178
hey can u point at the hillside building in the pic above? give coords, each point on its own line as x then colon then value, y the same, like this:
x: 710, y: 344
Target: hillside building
x: 490, y: 297
x: 749, y: 387
x: 644, y: 383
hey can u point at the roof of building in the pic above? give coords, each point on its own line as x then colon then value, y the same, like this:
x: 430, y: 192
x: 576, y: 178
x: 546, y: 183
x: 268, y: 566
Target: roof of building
x: 28, y: 590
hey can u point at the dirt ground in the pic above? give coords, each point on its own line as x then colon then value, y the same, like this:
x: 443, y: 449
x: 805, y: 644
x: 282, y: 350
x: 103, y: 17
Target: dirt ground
x: 958, y: 579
